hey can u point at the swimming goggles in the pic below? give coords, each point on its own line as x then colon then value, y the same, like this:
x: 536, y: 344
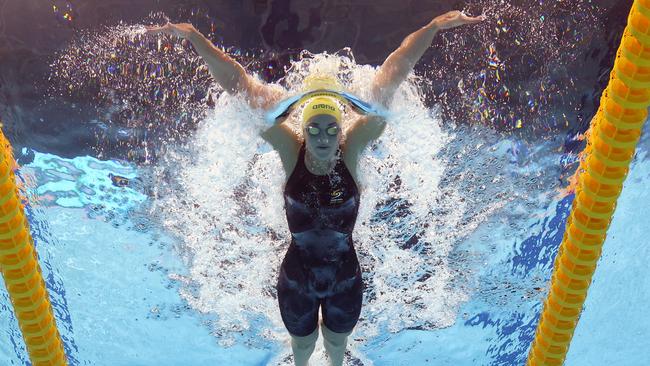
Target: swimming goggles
x: 315, y: 131
x: 283, y: 108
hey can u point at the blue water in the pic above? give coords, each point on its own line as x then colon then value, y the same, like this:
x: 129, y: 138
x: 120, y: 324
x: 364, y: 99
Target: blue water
x: 109, y: 269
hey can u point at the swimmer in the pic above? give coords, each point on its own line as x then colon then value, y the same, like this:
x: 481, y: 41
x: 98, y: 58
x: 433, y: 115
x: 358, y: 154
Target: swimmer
x: 320, y: 269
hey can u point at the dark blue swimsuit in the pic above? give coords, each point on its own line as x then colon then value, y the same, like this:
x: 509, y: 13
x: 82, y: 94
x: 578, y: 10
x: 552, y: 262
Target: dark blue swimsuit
x: 320, y: 267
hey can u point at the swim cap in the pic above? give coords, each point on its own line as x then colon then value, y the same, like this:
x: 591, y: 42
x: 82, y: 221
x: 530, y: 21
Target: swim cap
x: 321, y: 105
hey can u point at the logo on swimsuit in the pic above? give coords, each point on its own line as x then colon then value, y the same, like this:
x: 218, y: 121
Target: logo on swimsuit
x: 336, y: 196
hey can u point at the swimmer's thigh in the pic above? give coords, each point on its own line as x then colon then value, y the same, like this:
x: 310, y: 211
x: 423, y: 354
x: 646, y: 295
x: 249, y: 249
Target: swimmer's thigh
x: 298, y: 308
x: 341, y: 310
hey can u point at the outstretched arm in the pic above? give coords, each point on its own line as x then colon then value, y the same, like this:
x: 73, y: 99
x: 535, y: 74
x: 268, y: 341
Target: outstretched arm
x: 398, y: 64
x: 392, y: 72
x: 227, y: 72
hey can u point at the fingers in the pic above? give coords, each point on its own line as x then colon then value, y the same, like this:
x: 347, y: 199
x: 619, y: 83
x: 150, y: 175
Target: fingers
x: 159, y: 29
x: 479, y: 18
x: 472, y: 20
x: 152, y: 30
x: 467, y: 17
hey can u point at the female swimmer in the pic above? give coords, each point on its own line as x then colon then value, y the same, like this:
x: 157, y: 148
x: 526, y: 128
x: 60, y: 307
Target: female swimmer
x: 320, y: 269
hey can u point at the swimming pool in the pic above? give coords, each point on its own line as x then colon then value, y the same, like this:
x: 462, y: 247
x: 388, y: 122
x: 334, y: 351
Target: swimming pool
x: 457, y: 235
x: 113, y: 285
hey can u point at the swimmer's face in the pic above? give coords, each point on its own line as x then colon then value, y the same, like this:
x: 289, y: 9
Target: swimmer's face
x: 322, y: 135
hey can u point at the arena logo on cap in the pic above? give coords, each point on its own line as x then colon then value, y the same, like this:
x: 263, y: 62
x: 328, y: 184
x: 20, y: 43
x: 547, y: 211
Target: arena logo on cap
x: 316, y: 106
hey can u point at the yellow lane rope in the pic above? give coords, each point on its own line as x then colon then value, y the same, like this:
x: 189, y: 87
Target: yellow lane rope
x: 22, y: 274
x: 613, y: 136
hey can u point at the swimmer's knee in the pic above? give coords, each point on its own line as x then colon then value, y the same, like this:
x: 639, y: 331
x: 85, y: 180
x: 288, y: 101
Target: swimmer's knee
x: 303, y: 347
x: 335, y: 344
x: 340, y: 327
x: 305, y: 341
x: 335, y: 335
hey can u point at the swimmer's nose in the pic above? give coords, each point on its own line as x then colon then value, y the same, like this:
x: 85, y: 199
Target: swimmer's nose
x: 323, y: 140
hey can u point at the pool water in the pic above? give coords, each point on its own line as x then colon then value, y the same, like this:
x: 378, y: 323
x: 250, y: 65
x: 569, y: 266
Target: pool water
x: 113, y: 277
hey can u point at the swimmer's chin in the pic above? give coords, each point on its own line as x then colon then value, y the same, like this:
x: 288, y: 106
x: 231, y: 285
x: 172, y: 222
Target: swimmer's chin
x: 322, y: 154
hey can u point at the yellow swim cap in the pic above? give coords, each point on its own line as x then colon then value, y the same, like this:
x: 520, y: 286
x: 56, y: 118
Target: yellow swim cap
x: 321, y: 105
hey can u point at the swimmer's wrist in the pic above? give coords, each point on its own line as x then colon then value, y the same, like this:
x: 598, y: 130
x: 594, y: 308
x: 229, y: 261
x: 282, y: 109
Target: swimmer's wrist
x: 194, y: 35
x: 433, y: 26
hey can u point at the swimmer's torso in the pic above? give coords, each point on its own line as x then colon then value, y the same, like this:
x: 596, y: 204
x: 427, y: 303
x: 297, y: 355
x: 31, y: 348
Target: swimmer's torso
x: 321, y: 266
x: 321, y: 212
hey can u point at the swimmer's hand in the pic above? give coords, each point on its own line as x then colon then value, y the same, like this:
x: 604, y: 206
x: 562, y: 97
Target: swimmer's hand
x: 454, y: 19
x: 183, y: 30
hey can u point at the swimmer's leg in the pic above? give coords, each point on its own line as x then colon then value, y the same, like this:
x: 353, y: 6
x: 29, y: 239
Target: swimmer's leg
x: 335, y: 344
x: 341, y: 312
x: 303, y: 347
x: 300, y: 316
x: 298, y: 308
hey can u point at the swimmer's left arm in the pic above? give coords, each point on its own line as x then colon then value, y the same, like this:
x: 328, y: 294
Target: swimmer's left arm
x: 392, y: 72
x: 399, y: 64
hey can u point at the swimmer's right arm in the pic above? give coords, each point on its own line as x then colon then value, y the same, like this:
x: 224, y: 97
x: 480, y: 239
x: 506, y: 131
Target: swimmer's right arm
x: 227, y: 72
